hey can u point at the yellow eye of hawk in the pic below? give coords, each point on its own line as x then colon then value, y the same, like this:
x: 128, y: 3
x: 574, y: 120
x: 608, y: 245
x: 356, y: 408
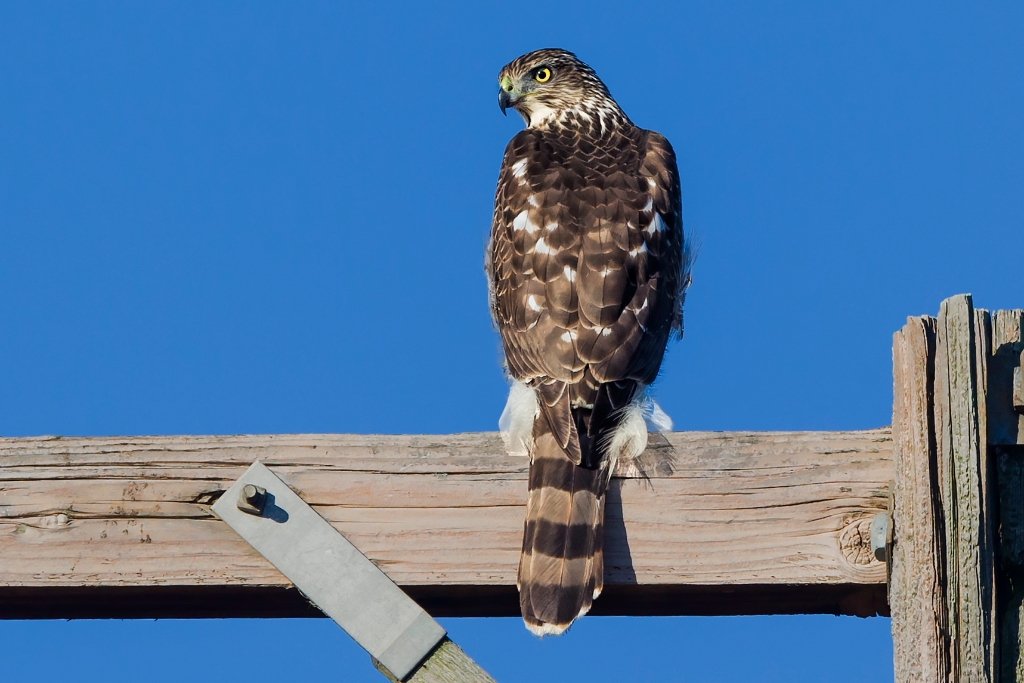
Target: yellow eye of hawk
x: 543, y: 75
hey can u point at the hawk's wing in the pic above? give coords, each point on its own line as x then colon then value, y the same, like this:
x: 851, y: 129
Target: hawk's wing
x: 586, y: 268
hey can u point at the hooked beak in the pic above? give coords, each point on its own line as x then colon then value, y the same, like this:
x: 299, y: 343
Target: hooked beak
x: 504, y: 101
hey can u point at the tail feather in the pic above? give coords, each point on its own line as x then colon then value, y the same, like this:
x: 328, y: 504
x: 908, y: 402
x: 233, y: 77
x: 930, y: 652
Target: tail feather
x: 561, y: 566
x: 555, y: 406
x: 597, y: 577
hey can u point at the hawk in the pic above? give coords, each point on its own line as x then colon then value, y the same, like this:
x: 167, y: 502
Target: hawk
x: 587, y: 271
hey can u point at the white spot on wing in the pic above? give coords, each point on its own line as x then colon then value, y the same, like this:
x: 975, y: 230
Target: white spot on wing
x: 542, y: 247
x: 569, y: 273
x: 649, y: 205
x: 531, y: 301
x: 532, y: 199
x: 523, y: 222
x: 519, y: 168
x: 568, y: 336
x: 657, y: 225
x: 519, y: 222
x: 642, y: 249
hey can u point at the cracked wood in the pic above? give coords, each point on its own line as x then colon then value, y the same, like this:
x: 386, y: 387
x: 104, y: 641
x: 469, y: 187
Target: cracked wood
x: 742, y: 523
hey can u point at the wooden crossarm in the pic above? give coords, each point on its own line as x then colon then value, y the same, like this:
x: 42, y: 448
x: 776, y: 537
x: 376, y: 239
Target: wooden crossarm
x: 742, y: 523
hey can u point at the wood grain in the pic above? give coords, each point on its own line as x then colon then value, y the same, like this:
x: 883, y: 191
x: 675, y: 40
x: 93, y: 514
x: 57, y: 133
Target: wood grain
x: 742, y: 523
x: 916, y: 595
x: 1005, y: 420
x: 1006, y: 434
x: 446, y: 664
x: 965, y: 480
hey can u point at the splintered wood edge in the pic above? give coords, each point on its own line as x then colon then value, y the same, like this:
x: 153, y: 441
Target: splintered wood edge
x: 916, y: 595
x: 967, y: 483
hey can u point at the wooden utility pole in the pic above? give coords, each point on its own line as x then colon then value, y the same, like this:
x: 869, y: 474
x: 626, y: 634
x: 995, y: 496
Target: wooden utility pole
x: 956, y: 561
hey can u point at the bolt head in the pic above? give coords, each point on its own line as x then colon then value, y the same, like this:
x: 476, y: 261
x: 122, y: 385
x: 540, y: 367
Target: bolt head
x: 252, y: 499
x: 251, y: 493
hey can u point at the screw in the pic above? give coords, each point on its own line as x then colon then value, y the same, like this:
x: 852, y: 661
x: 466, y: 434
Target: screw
x: 252, y: 499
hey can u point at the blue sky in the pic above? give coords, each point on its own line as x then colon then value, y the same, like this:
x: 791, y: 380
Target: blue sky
x: 263, y: 218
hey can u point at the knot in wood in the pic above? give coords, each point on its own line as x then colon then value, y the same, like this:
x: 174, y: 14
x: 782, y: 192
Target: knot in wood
x: 855, y: 542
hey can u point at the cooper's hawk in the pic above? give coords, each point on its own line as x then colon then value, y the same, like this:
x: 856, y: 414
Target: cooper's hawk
x: 587, y: 271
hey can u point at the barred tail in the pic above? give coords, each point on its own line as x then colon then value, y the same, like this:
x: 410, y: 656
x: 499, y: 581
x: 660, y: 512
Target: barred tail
x: 561, y: 569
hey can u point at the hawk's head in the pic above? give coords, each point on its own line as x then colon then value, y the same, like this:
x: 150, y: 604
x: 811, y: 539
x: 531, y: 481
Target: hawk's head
x: 545, y: 85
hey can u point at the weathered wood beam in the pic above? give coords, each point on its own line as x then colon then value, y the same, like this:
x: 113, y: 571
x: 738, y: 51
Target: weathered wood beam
x: 917, y: 596
x: 967, y: 484
x: 966, y: 487
x: 741, y: 523
x: 1006, y: 434
x: 957, y: 601
x: 447, y: 664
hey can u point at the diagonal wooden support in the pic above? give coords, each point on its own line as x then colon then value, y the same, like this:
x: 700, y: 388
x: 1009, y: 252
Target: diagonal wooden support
x: 406, y: 644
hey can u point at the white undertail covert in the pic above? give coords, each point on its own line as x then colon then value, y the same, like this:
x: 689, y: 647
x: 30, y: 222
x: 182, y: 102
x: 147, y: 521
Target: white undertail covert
x: 516, y: 421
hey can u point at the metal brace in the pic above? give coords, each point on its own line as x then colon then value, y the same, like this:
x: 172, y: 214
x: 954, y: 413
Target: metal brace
x: 330, y: 571
x: 880, y: 535
x: 1018, y: 386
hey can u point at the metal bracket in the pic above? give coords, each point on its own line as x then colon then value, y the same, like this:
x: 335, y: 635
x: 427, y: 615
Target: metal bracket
x: 881, y: 536
x: 329, y: 570
x: 1018, y: 386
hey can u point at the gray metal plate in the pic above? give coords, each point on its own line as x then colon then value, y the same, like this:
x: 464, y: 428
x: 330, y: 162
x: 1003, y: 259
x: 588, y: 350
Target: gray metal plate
x: 332, y: 573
